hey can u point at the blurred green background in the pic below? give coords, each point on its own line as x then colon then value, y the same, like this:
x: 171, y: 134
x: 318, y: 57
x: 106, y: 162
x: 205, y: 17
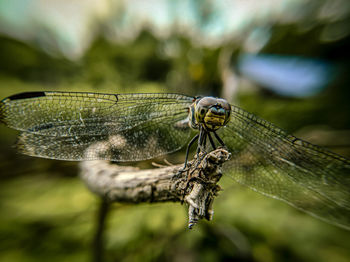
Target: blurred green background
x: 286, y: 61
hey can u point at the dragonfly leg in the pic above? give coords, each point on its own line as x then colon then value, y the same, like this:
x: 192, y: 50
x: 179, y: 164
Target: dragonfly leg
x: 204, y: 143
x: 211, y: 141
x: 219, y: 139
x: 202, y: 140
x: 188, y: 148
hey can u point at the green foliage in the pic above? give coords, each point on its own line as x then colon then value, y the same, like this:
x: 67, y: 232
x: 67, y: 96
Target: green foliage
x: 53, y: 218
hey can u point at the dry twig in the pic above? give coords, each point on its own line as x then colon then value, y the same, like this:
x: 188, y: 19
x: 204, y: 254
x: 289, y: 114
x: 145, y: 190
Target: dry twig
x: 196, y: 186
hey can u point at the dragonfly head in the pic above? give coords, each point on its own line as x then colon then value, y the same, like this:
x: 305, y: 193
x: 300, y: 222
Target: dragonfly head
x: 210, y: 112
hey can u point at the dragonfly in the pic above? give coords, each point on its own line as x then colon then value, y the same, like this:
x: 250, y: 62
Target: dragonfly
x: 73, y: 125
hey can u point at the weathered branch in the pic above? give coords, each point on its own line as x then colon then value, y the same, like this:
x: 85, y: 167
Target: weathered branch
x: 196, y: 185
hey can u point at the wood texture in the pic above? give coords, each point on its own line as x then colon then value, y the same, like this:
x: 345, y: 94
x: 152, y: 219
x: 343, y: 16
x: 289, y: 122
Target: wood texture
x: 196, y: 185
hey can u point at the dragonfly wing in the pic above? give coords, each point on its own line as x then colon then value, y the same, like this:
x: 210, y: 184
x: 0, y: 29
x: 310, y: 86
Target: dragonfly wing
x: 86, y: 126
x: 269, y: 161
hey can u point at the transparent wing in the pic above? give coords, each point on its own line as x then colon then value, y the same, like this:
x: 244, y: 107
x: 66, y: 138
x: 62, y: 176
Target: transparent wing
x: 281, y: 166
x: 85, y: 126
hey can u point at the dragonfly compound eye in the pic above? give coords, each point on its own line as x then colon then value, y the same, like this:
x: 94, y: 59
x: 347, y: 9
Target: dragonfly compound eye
x: 200, y: 114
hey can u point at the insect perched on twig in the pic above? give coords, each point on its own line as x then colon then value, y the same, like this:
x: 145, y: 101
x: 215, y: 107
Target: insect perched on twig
x: 65, y: 125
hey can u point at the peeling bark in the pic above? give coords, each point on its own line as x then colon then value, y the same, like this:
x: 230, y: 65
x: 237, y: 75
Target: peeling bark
x: 196, y: 185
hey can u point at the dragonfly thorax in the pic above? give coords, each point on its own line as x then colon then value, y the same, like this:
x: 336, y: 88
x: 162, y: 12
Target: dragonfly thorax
x: 210, y: 112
